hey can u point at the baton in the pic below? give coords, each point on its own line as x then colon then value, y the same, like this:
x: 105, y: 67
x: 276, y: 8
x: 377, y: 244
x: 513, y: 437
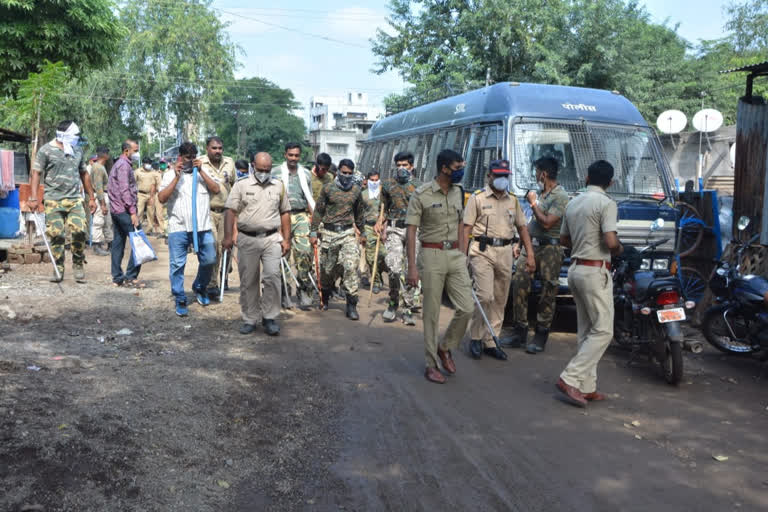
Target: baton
x: 285, y: 263
x: 312, y: 280
x: 41, y: 229
x: 223, y: 274
x: 285, y: 281
x: 317, y: 272
x: 375, y: 266
x: 485, y: 318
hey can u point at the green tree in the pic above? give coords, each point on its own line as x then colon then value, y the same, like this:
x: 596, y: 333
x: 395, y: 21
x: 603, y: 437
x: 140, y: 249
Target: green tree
x: 748, y: 26
x: 257, y: 115
x: 83, y: 34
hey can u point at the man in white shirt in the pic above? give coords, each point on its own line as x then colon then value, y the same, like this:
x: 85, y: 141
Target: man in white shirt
x: 189, y: 223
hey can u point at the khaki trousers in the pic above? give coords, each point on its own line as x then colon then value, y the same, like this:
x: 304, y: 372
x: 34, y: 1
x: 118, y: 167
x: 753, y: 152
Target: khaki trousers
x: 141, y: 208
x: 592, y: 289
x: 444, y: 270
x: 217, y: 228
x: 492, y: 270
x: 259, y: 265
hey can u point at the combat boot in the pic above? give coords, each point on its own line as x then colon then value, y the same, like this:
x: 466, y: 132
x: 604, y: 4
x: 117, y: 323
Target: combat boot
x: 305, y: 299
x: 518, y: 338
x: 326, y: 299
x: 79, y: 273
x: 391, y: 313
x: 352, y: 308
x: 539, y: 341
x: 98, y: 250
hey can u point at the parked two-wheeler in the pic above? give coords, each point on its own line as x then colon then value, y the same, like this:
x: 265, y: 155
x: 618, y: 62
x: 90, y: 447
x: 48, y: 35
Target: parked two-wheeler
x: 649, y: 308
x: 738, y: 321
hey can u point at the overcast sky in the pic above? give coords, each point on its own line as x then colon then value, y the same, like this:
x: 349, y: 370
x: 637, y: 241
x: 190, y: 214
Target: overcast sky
x: 315, y: 51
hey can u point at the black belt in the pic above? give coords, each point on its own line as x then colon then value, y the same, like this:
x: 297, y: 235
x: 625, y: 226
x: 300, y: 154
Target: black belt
x: 370, y: 223
x: 400, y: 224
x: 546, y: 241
x: 218, y: 210
x: 299, y: 210
x: 257, y: 233
x: 494, y: 242
x: 337, y: 228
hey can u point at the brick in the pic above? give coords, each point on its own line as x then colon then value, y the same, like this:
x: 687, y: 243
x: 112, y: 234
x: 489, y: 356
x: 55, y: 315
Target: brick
x: 15, y: 258
x: 46, y: 258
x: 31, y: 259
x: 21, y: 250
x: 40, y: 248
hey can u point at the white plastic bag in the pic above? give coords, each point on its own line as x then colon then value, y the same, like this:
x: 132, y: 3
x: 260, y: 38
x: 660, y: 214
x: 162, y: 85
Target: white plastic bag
x: 141, y: 251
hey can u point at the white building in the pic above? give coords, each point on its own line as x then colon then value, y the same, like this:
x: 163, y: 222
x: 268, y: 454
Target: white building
x: 339, y: 124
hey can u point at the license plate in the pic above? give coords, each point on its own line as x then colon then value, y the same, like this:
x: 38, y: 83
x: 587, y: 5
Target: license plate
x: 670, y: 315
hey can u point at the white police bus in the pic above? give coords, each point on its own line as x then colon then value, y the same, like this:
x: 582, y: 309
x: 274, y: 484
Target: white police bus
x: 523, y: 122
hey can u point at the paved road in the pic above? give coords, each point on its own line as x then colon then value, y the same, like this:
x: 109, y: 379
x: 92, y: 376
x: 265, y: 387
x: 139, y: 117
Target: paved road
x: 496, y: 438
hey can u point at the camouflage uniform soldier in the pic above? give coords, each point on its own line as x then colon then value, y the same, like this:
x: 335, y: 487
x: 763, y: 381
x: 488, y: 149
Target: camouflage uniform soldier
x: 340, y: 209
x: 297, y: 181
x: 61, y: 166
x: 396, y: 193
x: 222, y: 170
x: 320, y: 174
x: 544, y: 228
x: 372, y: 200
x: 101, y: 232
x: 491, y: 216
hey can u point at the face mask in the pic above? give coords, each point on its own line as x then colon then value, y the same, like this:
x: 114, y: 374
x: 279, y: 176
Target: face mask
x: 373, y: 186
x: 135, y: 157
x: 500, y: 183
x: 261, y: 177
x: 148, y: 166
x: 163, y: 167
x: 457, y: 175
x: 344, y: 181
x: 403, y: 175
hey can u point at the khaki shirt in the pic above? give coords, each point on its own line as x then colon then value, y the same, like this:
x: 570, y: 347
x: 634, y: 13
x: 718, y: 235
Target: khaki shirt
x: 493, y: 217
x: 258, y: 207
x: 144, y: 180
x: 587, y: 218
x: 437, y: 214
x: 224, y: 175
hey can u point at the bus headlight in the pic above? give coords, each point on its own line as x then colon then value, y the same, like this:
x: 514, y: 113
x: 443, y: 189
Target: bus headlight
x: 645, y: 264
x: 661, y: 264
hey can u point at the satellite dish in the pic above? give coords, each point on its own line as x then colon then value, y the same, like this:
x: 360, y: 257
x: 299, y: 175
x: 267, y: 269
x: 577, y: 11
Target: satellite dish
x: 733, y: 154
x: 707, y: 120
x: 671, y: 121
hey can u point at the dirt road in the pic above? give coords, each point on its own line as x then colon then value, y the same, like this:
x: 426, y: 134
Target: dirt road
x: 187, y: 414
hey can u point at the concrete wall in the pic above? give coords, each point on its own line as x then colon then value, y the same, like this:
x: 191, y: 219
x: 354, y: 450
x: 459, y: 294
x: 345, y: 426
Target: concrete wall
x: 682, y: 152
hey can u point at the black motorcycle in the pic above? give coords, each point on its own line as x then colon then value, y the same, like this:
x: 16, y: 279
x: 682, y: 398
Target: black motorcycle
x: 738, y: 322
x: 649, y: 308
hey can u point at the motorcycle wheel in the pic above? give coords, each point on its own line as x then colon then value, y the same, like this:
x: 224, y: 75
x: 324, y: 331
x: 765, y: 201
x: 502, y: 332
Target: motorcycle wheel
x: 672, y: 365
x: 719, y: 335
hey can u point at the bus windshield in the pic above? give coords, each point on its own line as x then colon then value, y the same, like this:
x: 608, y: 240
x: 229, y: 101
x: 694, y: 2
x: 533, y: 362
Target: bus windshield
x: 638, y: 170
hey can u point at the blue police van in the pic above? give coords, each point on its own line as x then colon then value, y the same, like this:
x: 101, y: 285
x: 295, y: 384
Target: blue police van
x: 522, y: 122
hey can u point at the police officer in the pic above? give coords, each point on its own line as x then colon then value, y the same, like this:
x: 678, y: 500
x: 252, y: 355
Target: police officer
x: 297, y: 182
x: 589, y: 229
x: 146, y: 182
x: 491, y: 216
x: 263, y: 237
x: 340, y: 209
x: 544, y: 228
x: 435, y: 209
x: 222, y: 170
x: 372, y: 200
x: 396, y: 194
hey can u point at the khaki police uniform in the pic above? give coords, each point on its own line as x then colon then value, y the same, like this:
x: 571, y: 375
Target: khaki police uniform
x: 258, y: 208
x: 145, y: 180
x: 224, y: 175
x: 442, y: 265
x: 587, y: 218
x: 494, y: 221
x: 156, y: 211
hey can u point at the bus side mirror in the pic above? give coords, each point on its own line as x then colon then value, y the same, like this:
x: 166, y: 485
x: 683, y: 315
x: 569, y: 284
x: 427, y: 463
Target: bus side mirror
x: 743, y: 223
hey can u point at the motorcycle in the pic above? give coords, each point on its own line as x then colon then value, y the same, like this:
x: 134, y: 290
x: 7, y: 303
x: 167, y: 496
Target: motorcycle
x: 738, y: 322
x: 649, y: 308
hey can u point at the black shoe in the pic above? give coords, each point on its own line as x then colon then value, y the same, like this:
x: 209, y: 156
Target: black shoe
x: 270, y: 327
x: 326, y: 294
x: 496, y: 353
x: 517, y: 339
x: 247, y: 328
x: 352, y: 308
x: 376, y: 289
x: 539, y: 341
x: 214, y: 293
x: 285, y: 302
x: 365, y: 282
x: 476, y: 349
x: 305, y: 300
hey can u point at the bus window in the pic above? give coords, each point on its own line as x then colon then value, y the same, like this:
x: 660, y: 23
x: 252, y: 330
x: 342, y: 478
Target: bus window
x: 486, y: 147
x: 460, y: 146
x: 448, y: 139
x: 418, y: 154
x: 427, y: 159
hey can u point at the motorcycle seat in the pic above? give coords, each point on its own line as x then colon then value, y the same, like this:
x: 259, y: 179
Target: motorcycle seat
x: 647, y: 284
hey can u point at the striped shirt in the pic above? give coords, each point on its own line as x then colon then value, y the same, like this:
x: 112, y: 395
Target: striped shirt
x: 180, y: 204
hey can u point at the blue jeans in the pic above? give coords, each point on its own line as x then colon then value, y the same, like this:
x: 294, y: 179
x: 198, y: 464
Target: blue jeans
x: 121, y: 226
x: 206, y: 258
